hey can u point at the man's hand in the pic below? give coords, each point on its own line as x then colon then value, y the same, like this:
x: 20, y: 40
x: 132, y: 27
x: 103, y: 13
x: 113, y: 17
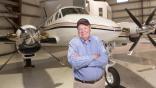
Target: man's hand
x: 96, y: 55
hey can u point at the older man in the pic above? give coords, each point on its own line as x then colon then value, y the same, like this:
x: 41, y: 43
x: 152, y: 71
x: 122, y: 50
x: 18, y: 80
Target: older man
x: 88, y: 58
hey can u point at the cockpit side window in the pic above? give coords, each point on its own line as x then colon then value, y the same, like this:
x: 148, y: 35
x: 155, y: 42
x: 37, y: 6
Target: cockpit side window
x: 51, y: 19
x: 57, y: 16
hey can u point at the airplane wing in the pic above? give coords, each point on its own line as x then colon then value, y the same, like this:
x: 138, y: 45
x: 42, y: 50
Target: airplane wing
x: 45, y: 38
x: 49, y: 40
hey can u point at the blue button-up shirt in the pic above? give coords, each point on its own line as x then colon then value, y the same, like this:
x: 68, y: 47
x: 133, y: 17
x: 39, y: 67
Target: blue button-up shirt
x: 80, y: 56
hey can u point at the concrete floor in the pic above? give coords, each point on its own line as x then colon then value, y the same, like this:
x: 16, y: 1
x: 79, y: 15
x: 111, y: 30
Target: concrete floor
x: 135, y: 71
x: 142, y: 63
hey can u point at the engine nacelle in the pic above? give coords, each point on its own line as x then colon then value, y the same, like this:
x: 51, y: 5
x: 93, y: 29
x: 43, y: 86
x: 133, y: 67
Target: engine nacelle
x: 28, y: 41
x: 133, y: 37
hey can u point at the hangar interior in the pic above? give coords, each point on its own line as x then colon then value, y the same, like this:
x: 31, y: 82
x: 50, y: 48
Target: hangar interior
x: 31, y: 12
x: 48, y: 72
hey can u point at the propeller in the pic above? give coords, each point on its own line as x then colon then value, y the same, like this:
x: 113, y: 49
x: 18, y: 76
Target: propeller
x: 144, y: 27
x: 152, y: 41
x: 135, y: 43
x: 134, y: 18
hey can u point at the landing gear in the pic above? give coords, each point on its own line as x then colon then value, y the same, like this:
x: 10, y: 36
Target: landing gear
x: 28, y: 63
x: 112, y: 76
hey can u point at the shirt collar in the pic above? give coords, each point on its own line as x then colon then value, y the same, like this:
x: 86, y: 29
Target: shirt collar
x: 86, y: 41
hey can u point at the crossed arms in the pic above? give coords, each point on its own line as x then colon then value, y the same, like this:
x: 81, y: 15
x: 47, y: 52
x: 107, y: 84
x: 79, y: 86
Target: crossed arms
x: 95, y: 60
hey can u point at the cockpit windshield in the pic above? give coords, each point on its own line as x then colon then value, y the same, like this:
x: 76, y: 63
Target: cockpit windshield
x: 67, y: 11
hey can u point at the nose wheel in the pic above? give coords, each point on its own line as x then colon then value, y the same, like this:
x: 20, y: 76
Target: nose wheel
x: 28, y: 63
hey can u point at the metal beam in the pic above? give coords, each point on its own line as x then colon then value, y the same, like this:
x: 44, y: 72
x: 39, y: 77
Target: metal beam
x: 142, y: 11
x: 150, y: 7
x: 129, y: 2
x: 7, y: 12
x: 15, y: 14
x: 9, y: 3
x: 129, y: 17
x: 30, y: 15
x: 17, y: 10
x: 42, y: 1
x: 30, y: 4
x: 9, y: 16
x: 5, y: 28
x: 3, y: 11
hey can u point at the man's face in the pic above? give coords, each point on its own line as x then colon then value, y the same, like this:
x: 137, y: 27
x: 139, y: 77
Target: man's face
x: 84, y: 31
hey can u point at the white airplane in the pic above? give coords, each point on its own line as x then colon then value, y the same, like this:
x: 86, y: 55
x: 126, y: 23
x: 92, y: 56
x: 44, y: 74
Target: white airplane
x: 58, y: 30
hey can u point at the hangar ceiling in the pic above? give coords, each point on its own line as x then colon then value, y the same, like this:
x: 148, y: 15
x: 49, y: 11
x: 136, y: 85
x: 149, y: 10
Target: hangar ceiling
x: 140, y: 8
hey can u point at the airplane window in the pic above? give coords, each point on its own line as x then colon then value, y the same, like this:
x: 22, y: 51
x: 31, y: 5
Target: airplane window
x: 87, y: 6
x: 56, y: 16
x: 67, y: 11
x: 51, y: 19
x: 100, y: 12
x: 127, y: 30
x: 48, y: 21
x: 59, y: 15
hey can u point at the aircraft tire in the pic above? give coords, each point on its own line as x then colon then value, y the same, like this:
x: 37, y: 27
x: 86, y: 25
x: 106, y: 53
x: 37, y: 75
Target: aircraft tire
x: 112, y: 78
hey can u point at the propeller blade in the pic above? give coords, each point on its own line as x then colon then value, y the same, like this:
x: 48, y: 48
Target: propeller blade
x: 14, y: 24
x: 150, y: 17
x: 6, y: 40
x: 135, y: 43
x: 151, y: 40
x: 134, y: 18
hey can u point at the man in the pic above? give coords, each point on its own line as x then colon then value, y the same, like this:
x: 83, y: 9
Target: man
x: 88, y: 58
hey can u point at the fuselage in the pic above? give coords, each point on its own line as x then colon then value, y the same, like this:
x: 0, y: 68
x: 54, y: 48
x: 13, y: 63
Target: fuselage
x: 63, y: 27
